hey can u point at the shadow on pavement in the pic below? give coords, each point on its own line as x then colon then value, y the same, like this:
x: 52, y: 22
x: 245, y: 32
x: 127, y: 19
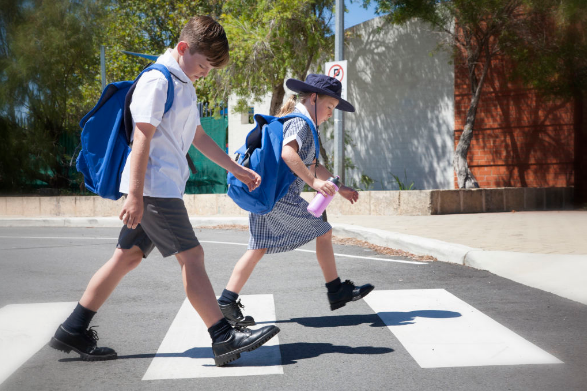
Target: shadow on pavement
x: 290, y: 353
x: 381, y: 319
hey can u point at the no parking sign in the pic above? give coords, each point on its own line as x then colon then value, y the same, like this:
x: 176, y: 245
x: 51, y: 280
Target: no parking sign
x: 337, y: 69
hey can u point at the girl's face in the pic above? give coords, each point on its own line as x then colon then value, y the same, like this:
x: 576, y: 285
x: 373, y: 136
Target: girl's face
x: 326, y: 106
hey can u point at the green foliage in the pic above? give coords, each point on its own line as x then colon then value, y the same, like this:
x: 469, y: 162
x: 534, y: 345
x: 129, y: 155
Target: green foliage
x: 402, y: 185
x: 271, y: 40
x: 553, y: 38
x: 48, y: 54
x: 152, y: 26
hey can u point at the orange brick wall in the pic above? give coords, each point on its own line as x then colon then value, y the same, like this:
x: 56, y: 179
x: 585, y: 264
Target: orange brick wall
x: 520, y: 139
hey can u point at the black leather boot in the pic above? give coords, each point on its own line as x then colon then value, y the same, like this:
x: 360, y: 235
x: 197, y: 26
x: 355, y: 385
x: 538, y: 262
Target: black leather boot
x: 232, y: 312
x: 241, y: 340
x: 348, y: 292
x: 83, y: 343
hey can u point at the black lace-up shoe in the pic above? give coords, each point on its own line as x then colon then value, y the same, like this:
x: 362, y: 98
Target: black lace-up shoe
x: 348, y: 292
x: 83, y: 343
x: 241, y: 340
x: 232, y: 312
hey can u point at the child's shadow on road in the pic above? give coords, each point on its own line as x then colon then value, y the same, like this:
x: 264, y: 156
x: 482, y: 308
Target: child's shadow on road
x: 381, y: 319
x: 291, y: 353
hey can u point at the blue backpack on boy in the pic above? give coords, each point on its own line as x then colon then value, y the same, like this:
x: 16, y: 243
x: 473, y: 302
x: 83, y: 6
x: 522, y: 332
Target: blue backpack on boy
x: 106, y: 134
x: 262, y: 154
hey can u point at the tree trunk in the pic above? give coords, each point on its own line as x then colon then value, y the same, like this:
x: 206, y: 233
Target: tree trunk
x: 465, y: 178
x: 276, y: 98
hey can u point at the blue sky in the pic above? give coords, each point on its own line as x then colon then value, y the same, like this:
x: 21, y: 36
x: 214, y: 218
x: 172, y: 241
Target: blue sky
x: 357, y: 14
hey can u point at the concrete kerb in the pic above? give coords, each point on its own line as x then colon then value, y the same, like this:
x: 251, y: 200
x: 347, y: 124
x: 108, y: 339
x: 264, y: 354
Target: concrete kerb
x: 443, y: 251
x: 561, y: 274
x: 81, y: 222
x: 107, y: 222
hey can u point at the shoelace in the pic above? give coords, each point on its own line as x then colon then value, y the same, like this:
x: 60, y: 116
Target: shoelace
x: 243, y: 329
x: 238, y: 309
x: 92, y: 334
x: 349, y: 282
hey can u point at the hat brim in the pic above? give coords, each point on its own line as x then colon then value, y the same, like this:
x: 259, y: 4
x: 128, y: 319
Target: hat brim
x: 299, y: 86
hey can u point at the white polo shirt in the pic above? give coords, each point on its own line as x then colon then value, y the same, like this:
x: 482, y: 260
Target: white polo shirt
x: 167, y: 169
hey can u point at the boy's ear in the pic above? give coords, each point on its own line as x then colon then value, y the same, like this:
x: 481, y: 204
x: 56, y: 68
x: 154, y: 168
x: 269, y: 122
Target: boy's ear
x: 182, y: 47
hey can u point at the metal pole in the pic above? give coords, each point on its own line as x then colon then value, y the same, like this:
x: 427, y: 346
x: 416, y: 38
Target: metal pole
x: 103, y: 65
x: 338, y: 115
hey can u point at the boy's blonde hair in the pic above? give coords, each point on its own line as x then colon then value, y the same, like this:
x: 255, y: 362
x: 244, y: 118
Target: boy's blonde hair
x: 207, y: 37
x: 289, y: 106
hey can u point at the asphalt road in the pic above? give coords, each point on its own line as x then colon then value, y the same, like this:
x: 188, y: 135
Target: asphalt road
x: 350, y: 348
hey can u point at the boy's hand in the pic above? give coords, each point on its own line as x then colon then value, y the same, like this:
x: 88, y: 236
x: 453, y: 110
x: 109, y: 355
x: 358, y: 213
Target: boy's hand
x: 324, y: 187
x: 350, y: 194
x: 248, y: 177
x: 132, y: 211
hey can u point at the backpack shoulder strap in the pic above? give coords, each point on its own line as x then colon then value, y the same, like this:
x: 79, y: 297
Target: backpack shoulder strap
x: 311, y: 125
x: 170, y: 88
x: 128, y: 128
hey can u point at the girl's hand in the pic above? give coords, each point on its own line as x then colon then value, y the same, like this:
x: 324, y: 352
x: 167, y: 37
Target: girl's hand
x: 350, y: 194
x: 323, y: 187
x: 248, y: 177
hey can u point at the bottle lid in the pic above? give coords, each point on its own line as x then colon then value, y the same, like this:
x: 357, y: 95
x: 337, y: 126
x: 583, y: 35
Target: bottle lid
x: 335, y: 180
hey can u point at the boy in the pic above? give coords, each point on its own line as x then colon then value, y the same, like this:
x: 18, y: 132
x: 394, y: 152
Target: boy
x: 153, y: 213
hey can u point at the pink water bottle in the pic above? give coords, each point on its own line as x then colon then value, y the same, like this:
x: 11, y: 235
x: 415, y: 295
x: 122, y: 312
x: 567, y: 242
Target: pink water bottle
x: 319, y: 203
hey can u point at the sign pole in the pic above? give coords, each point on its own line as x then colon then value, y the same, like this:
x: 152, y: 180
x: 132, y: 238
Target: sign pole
x: 338, y: 115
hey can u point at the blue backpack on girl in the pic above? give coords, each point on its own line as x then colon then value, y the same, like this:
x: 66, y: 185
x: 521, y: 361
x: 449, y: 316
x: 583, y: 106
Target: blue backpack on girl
x: 262, y: 154
x: 106, y: 134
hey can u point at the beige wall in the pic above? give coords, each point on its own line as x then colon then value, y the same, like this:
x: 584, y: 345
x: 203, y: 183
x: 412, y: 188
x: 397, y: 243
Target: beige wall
x: 404, y: 100
x: 375, y: 203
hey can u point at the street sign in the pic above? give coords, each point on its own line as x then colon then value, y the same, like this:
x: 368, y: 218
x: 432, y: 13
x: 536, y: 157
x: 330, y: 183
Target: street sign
x: 338, y: 70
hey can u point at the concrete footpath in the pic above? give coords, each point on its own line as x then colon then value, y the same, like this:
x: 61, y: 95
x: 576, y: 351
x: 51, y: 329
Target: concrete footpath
x: 544, y: 250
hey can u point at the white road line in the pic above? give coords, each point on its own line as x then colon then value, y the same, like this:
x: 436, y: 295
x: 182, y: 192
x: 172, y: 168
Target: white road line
x: 439, y: 330
x: 373, y: 258
x: 214, y: 242
x: 217, y: 242
x: 186, y: 350
x: 25, y: 329
x: 57, y: 237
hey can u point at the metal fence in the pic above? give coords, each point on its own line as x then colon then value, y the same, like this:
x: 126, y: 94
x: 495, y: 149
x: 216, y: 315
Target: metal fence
x: 209, y: 178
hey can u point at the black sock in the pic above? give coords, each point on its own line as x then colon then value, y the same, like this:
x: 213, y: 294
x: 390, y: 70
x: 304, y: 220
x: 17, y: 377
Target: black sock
x: 227, y: 297
x: 220, y: 331
x: 334, y: 285
x: 79, y: 320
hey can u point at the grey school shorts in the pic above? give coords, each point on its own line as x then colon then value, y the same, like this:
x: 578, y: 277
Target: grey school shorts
x: 165, y: 225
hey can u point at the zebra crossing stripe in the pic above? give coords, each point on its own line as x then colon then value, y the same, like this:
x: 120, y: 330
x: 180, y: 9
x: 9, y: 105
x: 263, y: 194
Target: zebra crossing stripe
x: 439, y: 330
x: 25, y: 329
x: 186, y: 350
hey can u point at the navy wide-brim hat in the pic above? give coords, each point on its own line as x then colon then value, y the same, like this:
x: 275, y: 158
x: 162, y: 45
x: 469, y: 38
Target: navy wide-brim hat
x: 321, y: 84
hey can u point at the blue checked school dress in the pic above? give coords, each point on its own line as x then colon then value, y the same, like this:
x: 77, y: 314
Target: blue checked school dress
x: 289, y: 225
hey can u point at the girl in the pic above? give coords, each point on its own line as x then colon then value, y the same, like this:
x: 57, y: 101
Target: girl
x: 289, y: 225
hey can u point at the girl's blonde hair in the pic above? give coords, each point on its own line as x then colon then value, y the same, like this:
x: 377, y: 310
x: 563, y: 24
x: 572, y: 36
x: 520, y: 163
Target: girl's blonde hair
x: 289, y: 105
